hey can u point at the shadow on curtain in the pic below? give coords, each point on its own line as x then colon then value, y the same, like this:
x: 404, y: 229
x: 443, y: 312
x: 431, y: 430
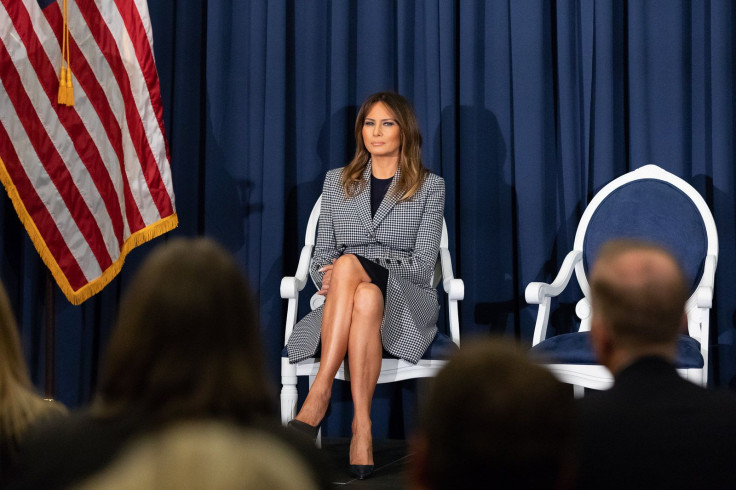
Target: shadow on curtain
x: 527, y: 108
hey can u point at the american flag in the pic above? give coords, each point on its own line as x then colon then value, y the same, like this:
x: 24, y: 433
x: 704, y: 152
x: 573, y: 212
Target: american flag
x: 90, y: 181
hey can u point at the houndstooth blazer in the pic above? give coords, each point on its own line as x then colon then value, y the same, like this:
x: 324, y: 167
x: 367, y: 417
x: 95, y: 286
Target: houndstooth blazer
x: 403, y: 237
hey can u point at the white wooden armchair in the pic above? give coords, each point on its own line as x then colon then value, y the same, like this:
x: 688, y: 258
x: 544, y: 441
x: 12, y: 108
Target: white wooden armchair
x: 649, y: 204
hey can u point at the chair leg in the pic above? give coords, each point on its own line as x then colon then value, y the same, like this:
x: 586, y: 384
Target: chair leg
x: 289, y: 396
x: 578, y: 391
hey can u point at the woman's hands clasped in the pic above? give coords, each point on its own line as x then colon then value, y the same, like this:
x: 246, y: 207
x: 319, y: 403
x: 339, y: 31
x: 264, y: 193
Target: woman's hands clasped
x: 327, y: 269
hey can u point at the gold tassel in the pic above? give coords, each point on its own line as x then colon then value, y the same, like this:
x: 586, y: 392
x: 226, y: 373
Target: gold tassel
x: 69, y: 88
x: 66, y: 89
x: 62, y: 87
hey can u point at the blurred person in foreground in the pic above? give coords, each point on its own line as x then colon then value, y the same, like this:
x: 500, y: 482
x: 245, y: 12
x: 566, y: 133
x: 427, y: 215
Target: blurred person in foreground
x: 494, y: 419
x: 205, y: 455
x: 652, y: 429
x: 186, y: 346
x: 20, y: 406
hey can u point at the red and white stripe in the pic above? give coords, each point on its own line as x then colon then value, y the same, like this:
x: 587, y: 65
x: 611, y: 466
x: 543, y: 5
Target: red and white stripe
x: 93, y: 180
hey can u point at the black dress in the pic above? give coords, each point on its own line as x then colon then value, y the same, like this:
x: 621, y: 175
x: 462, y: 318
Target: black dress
x: 377, y: 273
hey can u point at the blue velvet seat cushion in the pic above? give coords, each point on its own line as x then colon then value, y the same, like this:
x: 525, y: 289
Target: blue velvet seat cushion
x: 441, y: 347
x: 576, y: 348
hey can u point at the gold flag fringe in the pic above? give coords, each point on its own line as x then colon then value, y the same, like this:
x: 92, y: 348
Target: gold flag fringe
x: 140, y: 237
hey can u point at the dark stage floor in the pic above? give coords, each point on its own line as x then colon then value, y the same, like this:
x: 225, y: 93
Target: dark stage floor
x: 390, y: 458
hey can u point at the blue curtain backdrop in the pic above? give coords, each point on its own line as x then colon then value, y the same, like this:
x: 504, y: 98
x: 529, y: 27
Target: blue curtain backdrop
x: 527, y: 108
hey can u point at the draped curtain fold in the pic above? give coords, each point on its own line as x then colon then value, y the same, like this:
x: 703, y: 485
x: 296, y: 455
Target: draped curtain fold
x: 527, y: 108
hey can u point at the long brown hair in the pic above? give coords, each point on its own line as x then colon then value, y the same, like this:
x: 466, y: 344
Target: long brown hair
x: 412, y: 174
x: 186, y: 343
x: 20, y: 406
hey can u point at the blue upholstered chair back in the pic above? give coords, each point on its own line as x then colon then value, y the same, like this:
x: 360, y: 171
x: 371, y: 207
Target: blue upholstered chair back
x: 647, y: 204
x: 655, y: 211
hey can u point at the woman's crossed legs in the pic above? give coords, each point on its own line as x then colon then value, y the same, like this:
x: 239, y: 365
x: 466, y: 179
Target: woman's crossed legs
x: 351, y: 325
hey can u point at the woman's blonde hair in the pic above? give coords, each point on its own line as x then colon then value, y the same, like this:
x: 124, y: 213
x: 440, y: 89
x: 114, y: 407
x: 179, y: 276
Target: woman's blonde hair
x: 412, y: 174
x: 206, y: 454
x: 20, y: 406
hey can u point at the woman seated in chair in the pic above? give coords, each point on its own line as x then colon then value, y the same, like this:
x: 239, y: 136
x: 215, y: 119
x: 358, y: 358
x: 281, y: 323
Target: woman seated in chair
x: 377, y: 243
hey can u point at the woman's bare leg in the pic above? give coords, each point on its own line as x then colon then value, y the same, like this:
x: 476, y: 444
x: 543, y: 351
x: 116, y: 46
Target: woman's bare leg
x: 364, y: 358
x: 347, y: 275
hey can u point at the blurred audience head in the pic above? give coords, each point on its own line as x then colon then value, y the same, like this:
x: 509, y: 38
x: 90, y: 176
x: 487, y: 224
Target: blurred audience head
x: 493, y: 419
x: 205, y: 455
x: 638, y: 294
x: 186, y: 343
x: 20, y: 405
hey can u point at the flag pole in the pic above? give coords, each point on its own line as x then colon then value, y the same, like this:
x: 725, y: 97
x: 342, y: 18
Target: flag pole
x: 50, y: 325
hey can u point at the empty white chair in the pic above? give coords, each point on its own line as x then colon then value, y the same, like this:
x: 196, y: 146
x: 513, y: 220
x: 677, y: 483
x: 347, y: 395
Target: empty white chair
x: 648, y: 204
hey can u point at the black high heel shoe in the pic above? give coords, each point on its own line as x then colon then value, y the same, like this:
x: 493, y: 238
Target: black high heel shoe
x: 361, y: 471
x: 307, y: 430
x: 304, y: 428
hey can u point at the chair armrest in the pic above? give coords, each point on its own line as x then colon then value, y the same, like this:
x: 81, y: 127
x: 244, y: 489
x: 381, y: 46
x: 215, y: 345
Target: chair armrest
x: 536, y: 292
x: 704, y: 297
x: 455, y: 289
x: 541, y: 293
x: 316, y: 301
x: 698, y: 308
x: 446, y: 264
x: 704, y: 294
x: 291, y: 285
x: 585, y: 312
